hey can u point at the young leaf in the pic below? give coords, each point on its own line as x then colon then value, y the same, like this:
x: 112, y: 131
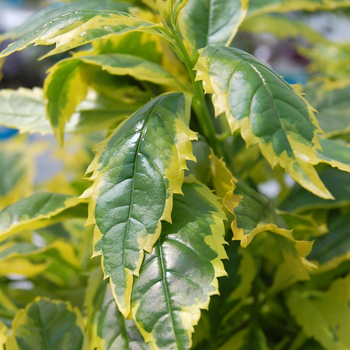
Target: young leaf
x: 135, y: 172
x: 322, y: 315
x: 38, y: 326
x: 39, y: 210
x: 248, y: 338
x: 178, y: 277
x: 211, y: 22
x: 107, y: 327
x: 266, y: 109
x: 81, y: 27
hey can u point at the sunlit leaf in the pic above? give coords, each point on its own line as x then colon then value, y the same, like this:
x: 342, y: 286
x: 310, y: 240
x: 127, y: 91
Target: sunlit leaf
x: 182, y: 270
x: 266, y: 109
x: 39, y: 210
x: 38, y: 326
x: 211, y: 22
x: 3, y: 336
x: 135, y: 172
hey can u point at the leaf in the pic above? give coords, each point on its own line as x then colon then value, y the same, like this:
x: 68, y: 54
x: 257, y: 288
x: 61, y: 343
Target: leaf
x: 331, y: 99
x: 341, y: 288
x: 258, y: 7
x: 107, y: 326
x: 338, y: 183
x: 137, y: 67
x: 266, y: 109
x: 49, y: 13
x: 64, y: 88
x: 3, y: 336
x: 330, y: 250
x: 135, y: 172
x: 81, y: 27
x: 40, y: 324
x: 211, y: 22
x: 178, y: 277
x: 39, y: 210
x: 323, y: 316
x: 24, y: 109
x: 248, y: 338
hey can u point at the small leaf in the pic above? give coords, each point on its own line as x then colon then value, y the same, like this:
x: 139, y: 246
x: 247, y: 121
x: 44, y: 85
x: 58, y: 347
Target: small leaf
x: 39, y: 210
x: 211, y: 22
x: 64, y: 88
x: 322, y: 315
x: 107, y: 326
x: 178, y: 277
x: 135, y: 172
x: 77, y: 28
x: 3, y: 336
x: 248, y: 338
x: 266, y: 109
x: 38, y: 326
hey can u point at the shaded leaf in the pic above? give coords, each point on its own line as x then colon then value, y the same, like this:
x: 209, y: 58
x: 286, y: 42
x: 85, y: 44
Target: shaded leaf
x: 181, y: 271
x: 266, y: 109
x: 39, y: 210
x: 38, y: 326
x: 132, y: 192
x: 211, y: 22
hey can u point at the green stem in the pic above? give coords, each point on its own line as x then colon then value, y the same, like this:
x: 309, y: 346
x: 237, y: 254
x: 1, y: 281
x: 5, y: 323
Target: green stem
x: 199, y: 104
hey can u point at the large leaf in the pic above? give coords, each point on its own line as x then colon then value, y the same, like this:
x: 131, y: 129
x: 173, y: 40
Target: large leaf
x: 135, y: 172
x: 258, y: 7
x: 178, y: 277
x: 108, y: 328
x: 48, y: 14
x: 331, y: 99
x: 211, y: 22
x: 81, y: 27
x: 39, y: 210
x: 322, y: 315
x: 248, y: 338
x: 40, y: 325
x: 266, y: 109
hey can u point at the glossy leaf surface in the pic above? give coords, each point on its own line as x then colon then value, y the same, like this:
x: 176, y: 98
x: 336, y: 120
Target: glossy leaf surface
x: 38, y: 210
x: 266, y: 109
x: 181, y: 271
x: 38, y: 326
x: 135, y: 172
x: 211, y: 22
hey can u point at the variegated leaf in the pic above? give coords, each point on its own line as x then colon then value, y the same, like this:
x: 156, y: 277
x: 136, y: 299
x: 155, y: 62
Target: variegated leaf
x: 135, y: 173
x: 37, y: 327
x: 266, y: 109
x: 211, y: 22
x: 181, y: 271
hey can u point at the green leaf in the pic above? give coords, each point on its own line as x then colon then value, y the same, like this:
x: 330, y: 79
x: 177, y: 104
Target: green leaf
x: 323, y: 316
x: 266, y: 109
x: 135, y: 172
x: 82, y: 27
x: 211, y: 22
x: 338, y: 183
x: 137, y: 67
x: 178, y: 277
x: 331, y: 99
x: 47, y: 325
x: 107, y: 326
x: 48, y: 14
x: 258, y: 7
x: 39, y: 210
x: 3, y: 336
x: 248, y: 338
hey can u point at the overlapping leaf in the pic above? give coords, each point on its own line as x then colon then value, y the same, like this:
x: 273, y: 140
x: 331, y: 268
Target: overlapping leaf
x: 211, y: 22
x: 266, y: 109
x: 77, y: 28
x: 39, y: 210
x: 181, y: 271
x: 107, y: 327
x: 135, y: 172
x: 40, y: 324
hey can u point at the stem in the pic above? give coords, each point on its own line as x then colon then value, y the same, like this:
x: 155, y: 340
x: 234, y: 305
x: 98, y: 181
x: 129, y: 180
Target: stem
x: 199, y: 104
